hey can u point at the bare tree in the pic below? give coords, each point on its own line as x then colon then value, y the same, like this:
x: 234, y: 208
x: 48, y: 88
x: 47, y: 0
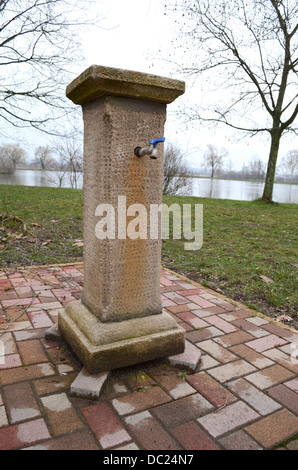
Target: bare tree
x: 6, y: 165
x: 70, y: 158
x: 43, y: 157
x: 256, y: 169
x: 214, y: 158
x: 251, y: 50
x: 10, y: 156
x: 290, y: 163
x: 59, y: 171
x: 39, y: 40
x: 229, y: 166
x: 176, y: 172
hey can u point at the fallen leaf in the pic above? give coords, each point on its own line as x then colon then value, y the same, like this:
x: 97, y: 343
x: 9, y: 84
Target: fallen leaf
x: 54, y: 221
x: 17, y: 236
x: 284, y: 318
x: 31, y: 240
x: 266, y: 279
x: 78, y: 244
x: 35, y: 224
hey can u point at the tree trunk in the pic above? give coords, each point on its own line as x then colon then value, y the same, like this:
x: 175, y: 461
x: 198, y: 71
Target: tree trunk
x: 269, y: 181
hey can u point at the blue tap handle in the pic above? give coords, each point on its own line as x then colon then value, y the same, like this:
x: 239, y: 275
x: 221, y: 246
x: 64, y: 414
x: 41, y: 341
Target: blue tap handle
x: 154, y: 142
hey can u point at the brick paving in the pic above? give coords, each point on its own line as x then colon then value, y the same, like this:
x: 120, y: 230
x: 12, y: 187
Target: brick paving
x: 234, y: 388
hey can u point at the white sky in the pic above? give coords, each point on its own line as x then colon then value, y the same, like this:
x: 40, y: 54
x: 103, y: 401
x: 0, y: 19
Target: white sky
x: 137, y: 35
x: 134, y: 28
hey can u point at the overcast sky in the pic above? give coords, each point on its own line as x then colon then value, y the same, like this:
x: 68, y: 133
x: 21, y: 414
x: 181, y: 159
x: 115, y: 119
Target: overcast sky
x: 137, y: 35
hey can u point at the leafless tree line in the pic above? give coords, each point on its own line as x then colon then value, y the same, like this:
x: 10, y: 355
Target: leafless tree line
x: 178, y: 174
x: 64, y: 160
x: 216, y: 163
x: 60, y: 161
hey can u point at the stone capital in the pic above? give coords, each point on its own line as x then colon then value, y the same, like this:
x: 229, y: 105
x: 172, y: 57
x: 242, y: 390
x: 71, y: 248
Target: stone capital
x: 98, y: 81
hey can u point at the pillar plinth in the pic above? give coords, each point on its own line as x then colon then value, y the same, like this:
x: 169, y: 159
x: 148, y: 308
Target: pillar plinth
x: 119, y: 321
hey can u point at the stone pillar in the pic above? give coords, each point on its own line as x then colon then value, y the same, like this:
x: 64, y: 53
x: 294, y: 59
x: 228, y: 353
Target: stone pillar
x: 119, y: 321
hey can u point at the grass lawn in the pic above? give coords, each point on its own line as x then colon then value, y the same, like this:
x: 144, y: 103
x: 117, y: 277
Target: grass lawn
x: 249, y: 251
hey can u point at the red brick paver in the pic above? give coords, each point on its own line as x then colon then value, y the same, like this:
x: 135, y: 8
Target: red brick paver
x: 234, y: 387
x: 18, y: 436
x: 274, y: 428
x: 107, y: 428
x: 193, y: 438
x: 150, y: 434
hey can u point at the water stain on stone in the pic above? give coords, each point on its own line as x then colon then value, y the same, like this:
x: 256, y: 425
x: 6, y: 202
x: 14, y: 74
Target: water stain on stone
x: 134, y: 263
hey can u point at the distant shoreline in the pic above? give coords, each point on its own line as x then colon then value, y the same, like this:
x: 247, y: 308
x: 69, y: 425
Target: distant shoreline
x: 189, y: 176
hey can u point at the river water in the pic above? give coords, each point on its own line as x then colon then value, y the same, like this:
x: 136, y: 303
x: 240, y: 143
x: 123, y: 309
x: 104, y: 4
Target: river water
x: 201, y: 187
x: 242, y: 190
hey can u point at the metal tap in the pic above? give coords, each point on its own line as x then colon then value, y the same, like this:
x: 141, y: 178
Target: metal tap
x: 151, y: 150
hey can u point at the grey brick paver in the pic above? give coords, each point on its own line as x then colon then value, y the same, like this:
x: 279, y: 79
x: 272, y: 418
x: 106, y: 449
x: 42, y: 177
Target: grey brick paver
x: 267, y: 342
x: 229, y: 418
x: 231, y: 371
x: 251, y: 395
x: 217, y: 351
x: 270, y: 376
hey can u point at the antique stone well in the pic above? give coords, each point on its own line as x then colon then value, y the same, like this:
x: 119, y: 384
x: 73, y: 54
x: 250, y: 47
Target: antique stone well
x: 119, y: 320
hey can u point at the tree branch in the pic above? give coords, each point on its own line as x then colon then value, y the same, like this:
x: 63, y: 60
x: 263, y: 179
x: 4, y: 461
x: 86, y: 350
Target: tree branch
x: 37, y: 45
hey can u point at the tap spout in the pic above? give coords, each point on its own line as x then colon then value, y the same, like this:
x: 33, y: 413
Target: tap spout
x: 151, y: 150
x: 142, y: 151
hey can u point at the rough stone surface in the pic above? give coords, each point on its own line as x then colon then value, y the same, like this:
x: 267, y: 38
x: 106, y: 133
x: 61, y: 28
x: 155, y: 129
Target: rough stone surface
x: 98, y: 81
x: 121, y: 110
x: 122, y: 351
x: 121, y: 276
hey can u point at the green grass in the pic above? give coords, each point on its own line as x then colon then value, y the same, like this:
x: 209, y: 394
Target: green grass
x: 242, y: 242
x: 59, y: 215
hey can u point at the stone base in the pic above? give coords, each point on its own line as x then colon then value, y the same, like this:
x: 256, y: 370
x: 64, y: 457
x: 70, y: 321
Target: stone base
x: 112, y: 345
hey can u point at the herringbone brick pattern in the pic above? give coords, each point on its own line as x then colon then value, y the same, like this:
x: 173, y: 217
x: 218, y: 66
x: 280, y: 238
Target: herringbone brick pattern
x: 241, y: 395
